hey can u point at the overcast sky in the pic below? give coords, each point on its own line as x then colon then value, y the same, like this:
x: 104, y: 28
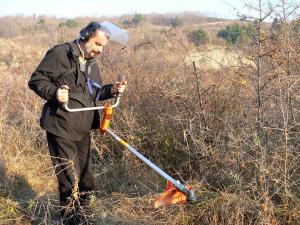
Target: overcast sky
x: 75, y: 8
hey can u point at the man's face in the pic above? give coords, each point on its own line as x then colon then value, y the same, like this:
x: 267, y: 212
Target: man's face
x: 94, y: 46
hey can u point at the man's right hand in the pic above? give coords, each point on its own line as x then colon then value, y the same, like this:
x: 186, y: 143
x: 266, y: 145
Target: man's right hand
x: 62, y: 94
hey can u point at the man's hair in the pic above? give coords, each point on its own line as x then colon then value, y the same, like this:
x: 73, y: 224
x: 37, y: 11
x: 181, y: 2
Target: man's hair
x: 90, y: 31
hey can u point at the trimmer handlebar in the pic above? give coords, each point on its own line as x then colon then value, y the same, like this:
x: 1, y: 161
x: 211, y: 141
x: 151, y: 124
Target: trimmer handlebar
x: 66, y: 107
x: 121, y: 78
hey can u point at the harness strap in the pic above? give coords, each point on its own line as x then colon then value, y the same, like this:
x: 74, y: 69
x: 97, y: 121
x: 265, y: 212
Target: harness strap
x: 92, y: 84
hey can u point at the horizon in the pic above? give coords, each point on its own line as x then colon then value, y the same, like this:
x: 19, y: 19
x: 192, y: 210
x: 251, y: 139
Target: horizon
x: 94, y: 8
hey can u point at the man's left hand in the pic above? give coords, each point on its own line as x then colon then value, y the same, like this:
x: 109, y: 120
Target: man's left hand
x: 119, y: 87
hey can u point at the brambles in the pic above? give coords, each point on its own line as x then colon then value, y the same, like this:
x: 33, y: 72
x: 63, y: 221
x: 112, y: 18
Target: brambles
x: 206, y: 135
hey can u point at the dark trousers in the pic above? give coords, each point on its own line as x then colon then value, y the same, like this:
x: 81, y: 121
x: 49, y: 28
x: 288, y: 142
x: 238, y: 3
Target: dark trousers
x: 71, y: 160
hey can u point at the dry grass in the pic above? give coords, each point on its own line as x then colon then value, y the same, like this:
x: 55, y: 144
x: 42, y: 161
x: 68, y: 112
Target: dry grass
x: 207, y: 138
x: 216, y: 57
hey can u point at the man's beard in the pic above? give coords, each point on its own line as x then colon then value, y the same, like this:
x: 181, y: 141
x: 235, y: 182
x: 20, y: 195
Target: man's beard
x: 88, y: 53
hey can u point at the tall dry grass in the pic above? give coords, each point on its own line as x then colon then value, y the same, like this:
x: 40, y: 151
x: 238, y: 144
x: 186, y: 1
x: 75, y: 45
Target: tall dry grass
x: 199, y: 126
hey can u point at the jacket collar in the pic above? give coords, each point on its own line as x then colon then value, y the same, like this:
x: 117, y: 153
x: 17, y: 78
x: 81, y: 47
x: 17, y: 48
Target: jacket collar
x: 75, y: 52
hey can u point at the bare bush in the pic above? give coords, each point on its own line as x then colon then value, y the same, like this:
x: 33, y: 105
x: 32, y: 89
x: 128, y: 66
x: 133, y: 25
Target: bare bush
x: 231, y: 131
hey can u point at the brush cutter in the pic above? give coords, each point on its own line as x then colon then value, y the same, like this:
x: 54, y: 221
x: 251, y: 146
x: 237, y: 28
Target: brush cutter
x: 175, y: 191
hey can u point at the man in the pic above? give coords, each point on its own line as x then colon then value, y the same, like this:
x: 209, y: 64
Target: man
x: 69, y: 73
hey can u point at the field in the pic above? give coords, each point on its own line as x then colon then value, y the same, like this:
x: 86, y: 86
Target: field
x: 229, y: 126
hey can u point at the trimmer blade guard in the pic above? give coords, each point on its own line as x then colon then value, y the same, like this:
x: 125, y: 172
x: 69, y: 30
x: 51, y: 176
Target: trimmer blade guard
x: 173, y: 196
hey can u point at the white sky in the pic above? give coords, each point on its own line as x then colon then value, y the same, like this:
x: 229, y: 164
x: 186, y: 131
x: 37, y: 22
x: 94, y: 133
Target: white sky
x: 68, y: 8
x: 74, y: 8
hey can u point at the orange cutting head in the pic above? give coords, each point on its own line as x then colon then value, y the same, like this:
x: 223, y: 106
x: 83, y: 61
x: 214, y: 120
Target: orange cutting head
x: 171, y: 196
x: 107, y: 112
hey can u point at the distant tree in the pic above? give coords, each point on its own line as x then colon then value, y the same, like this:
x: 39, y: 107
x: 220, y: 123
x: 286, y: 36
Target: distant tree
x: 70, y: 23
x: 138, y: 18
x: 176, y: 22
x: 61, y: 24
x: 275, y: 24
x: 41, y: 23
x: 234, y: 34
x: 243, y: 18
x: 198, y: 37
x: 297, y: 26
x: 127, y: 23
x: 275, y: 28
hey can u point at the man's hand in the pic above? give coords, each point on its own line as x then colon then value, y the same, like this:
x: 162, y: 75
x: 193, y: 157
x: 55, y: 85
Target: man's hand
x: 119, y: 87
x: 62, y: 94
